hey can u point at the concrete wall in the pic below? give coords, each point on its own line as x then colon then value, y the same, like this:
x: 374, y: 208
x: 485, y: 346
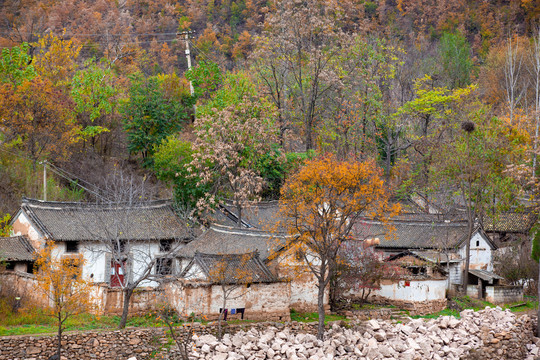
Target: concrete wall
x: 265, y: 301
x: 413, y: 290
x: 504, y: 294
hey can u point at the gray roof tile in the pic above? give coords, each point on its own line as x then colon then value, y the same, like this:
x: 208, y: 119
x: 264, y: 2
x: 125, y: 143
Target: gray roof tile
x: 16, y: 248
x: 227, y: 240
x: 236, y: 268
x: 412, y: 234
x: 69, y: 221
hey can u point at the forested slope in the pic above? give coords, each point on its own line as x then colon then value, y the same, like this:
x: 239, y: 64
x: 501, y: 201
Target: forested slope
x: 96, y: 86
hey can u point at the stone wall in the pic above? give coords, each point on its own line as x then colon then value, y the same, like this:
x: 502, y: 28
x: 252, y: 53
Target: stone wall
x: 413, y: 307
x: 84, y: 346
x: 504, y: 294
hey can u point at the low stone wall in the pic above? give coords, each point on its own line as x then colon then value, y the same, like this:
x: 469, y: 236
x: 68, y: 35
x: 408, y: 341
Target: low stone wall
x: 504, y: 294
x: 414, y: 307
x: 85, y: 346
x: 383, y: 314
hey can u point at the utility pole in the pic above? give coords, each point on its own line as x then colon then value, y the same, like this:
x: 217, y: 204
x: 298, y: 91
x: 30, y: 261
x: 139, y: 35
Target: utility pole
x: 188, y: 58
x: 44, y: 162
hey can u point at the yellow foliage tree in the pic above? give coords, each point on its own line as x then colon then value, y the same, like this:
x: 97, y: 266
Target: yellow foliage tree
x: 319, y: 207
x: 60, y: 279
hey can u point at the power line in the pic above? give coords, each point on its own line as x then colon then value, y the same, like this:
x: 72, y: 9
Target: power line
x: 76, y: 183
x: 97, y: 34
x: 68, y: 177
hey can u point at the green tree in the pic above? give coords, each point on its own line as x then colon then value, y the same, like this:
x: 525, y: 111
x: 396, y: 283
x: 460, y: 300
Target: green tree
x: 95, y: 98
x: 474, y: 165
x: 151, y: 115
x: 15, y: 65
x: 455, y: 60
x: 171, y: 159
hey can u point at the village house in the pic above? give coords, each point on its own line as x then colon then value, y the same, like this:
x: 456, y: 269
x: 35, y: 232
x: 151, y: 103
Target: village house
x: 300, y: 291
x: 249, y: 288
x: 440, y: 243
x: 143, y: 233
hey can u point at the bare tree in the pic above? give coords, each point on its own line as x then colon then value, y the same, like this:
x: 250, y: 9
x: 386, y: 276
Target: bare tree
x: 535, y: 55
x: 512, y: 75
x: 134, y: 235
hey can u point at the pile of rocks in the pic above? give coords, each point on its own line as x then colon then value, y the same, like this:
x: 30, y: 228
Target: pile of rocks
x: 487, y: 334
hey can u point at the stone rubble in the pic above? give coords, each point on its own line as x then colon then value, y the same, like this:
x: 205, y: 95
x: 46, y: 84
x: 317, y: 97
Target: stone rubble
x: 487, y: 334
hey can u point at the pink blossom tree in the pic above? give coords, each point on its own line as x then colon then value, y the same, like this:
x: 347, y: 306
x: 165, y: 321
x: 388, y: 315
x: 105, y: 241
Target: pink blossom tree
x: 227, y: 152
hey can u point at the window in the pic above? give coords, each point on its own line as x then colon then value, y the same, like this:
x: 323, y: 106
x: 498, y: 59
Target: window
x: 72, y: 246
x: 10, y: 266
x: 30, y: 268
x: 477, y: 243
x: 165, y: 245
x: 164, y: 266
x: 119, y: 246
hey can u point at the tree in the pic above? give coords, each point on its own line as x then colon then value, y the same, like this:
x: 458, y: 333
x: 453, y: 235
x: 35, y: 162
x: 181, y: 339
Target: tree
x: 359, y: 269
x: 60, y: 280
x: 171, y: 160
x: 15, y: 65
x: 475, y: 163
x: 296, y: 61
x: 231, y: 273
x: 431, y: 110
x: 228, y: 147
x: 95, y: 99
x: 455, y: 56
x: 150, y: 115
x: 37, y: 116
x: 320, y: 205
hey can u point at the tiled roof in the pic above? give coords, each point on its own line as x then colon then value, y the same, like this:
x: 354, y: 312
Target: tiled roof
x: 510, y: 222
x: 227, y: 240
x: 70, y: 221
x: 485, y: 275
x: 16, y: 248
x: 412, y: 234
x: 263, y: 215
x: 232, y: 268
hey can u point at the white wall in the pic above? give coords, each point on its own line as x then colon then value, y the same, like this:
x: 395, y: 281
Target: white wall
x: 481, y: 254
x: 418, y: 290
x: 456, y: 273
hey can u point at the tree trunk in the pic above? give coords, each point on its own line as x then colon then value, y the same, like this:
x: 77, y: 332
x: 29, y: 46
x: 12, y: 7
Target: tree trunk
x: 125, y: 310
x: 309, y: 133
x: 59, y: 346
x: 221, y: 314
x: 467, y: 255
x: 538, y: 314
x: 320, y: 305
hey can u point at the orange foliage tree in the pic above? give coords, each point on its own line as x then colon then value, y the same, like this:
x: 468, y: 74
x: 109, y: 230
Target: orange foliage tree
x: 37, y: 116
x: 320, y: 205
x: 60, y: 280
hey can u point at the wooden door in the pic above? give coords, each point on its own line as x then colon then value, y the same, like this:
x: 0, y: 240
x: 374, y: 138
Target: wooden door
x: 117, y: 274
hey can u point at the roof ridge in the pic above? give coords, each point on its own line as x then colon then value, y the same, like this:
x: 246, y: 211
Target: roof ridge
x: 61, y: 205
